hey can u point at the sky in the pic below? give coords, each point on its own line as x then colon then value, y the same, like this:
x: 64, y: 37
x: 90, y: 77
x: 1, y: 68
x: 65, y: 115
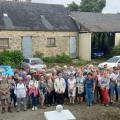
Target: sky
x: 112, y: 6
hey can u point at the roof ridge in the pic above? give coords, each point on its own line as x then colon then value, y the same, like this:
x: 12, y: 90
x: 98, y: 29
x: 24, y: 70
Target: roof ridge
x: 31, y: 3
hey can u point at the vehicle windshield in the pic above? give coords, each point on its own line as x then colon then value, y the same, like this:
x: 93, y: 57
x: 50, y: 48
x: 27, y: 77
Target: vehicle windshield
x: 113, y: 59
x: 36, y: 61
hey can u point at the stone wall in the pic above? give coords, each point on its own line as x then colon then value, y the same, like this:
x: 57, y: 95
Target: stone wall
x: 39, y: 41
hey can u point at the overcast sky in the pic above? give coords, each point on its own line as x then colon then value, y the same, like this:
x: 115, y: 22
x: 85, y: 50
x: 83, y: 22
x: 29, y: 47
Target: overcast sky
x: 113, y: 6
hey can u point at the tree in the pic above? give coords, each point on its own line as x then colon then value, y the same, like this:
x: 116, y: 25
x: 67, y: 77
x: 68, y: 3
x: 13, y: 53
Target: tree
x: 73, y: 6
x: 92, y: 5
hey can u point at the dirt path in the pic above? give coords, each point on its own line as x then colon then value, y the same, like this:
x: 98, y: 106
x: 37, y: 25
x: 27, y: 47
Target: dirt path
x: 81, y: 112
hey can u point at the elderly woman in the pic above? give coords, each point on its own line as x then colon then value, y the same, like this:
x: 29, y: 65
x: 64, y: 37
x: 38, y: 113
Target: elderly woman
x: 33, y: 92
x: 89, y: 87
x: 42, y: 91
x: 118, y: 86
x: 5, y: 94
x: 20, y: 92
x: 80, y: 87
x: 105, y: 81
x: 12, y: 85
x: 72, y: 88
x: 59, y: 86
x: 50, y: 89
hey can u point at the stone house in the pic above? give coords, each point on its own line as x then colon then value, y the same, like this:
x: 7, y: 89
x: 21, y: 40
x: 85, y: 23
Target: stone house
x: 52, y: 29
x: 31, y: 27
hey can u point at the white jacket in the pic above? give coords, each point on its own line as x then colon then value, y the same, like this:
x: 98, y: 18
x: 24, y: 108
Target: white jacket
x: 59, y: 85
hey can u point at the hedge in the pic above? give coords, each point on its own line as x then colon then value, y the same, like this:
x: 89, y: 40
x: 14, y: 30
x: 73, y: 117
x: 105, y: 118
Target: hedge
x: 12, y: 58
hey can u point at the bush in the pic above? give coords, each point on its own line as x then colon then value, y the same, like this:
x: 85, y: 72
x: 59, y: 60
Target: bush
x: 38, y: 54
x: 49, y: 59
x: 63, y: 58
x: 80, y: 62
x: 12, y: 58
x: 115, y: 51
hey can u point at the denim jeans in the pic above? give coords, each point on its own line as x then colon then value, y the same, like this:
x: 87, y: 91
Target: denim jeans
x: 89, y: 95
x: 34, y: 100
x: 112, y: 89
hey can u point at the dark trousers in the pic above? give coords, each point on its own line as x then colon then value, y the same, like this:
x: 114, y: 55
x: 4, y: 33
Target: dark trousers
x: 13, y: 98
x: 99, y: 94
x: 60, y: 98
x: 54, y: 97
x: 50, y: 98
x: 34, y: 100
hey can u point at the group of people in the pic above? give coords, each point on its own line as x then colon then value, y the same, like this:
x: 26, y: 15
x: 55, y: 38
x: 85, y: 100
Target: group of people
x: 59, y: 85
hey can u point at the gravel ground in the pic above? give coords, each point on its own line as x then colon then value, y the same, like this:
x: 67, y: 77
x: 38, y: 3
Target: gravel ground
x: 81, y: 112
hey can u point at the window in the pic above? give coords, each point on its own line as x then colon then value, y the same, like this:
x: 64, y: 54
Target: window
x: 51, y: 42
x: 4, y: 42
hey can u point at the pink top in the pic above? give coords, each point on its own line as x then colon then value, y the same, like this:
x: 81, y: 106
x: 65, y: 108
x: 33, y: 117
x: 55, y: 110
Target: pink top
x: 71, y: 83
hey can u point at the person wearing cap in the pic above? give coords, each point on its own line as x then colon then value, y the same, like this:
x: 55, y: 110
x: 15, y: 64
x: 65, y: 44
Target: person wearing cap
x: 5, y: 94
x: 20, y: 92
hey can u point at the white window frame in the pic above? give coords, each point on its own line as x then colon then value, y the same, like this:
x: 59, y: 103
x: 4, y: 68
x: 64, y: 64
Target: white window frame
x: 4, y: 46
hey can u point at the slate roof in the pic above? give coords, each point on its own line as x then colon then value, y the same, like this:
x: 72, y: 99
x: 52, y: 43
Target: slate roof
x: 35, y: 16
x: 98, y: 22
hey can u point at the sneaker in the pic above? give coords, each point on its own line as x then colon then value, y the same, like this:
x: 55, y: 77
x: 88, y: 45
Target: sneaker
x: 33, y: 108
x: 36, y: 108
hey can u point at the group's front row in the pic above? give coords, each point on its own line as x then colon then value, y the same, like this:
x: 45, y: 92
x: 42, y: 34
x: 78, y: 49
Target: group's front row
x: 59, y: 87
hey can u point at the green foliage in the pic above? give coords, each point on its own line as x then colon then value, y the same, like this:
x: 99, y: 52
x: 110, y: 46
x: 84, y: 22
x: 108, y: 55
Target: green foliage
x: 12, y: 58
x: 92, y: 5
x: 80, y: 62
x: 38, y: 54
x: 115, y: 51
x: 49, y: 59
x: 63, y: 58
x: 73, y: 6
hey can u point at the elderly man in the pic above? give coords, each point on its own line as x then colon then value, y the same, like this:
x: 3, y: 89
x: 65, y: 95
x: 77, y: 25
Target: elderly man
x: 5, y: 94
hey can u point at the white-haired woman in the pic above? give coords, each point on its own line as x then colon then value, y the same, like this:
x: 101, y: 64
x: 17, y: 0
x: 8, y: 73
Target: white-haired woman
x: 72, y: 88
x: 20, y: 92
